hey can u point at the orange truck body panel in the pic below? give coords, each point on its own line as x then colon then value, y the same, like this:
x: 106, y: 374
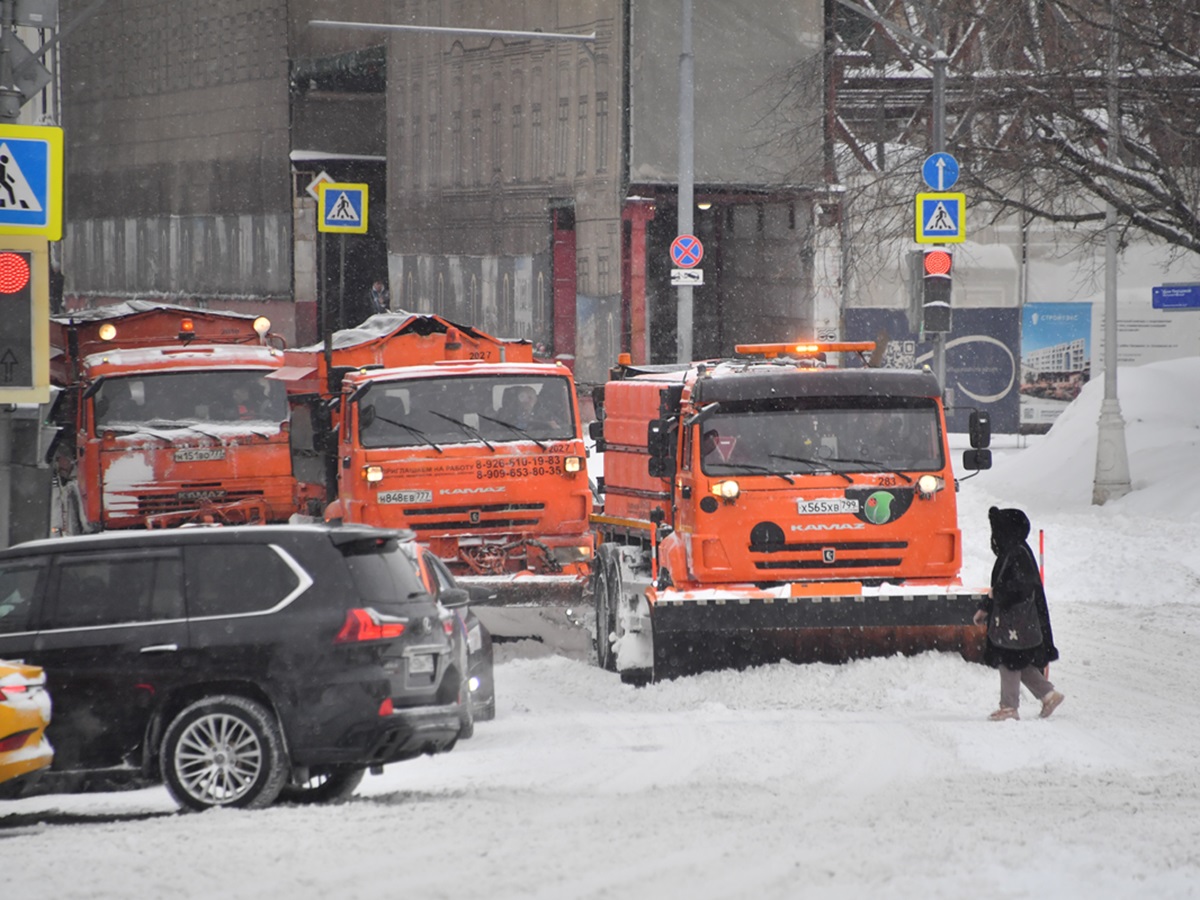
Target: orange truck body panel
x: 843, y: 554
x: 150, y: 436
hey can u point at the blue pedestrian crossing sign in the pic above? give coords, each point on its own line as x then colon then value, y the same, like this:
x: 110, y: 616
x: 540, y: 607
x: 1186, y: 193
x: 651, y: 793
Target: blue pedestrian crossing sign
x: 342, y: 207
x: 31, y: 167
x: 941, y: 218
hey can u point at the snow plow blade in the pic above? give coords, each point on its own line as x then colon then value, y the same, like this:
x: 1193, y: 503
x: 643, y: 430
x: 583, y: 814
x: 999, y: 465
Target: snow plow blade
x: 693, y: 635
x: 535, y: 616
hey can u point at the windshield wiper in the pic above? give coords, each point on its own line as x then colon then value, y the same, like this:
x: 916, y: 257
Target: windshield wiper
x: 766, y: 470
x: 815, y: 463
x: 465, y: 427
x: 510, y: 425
x: 417, y: 432
x: 878, y: 466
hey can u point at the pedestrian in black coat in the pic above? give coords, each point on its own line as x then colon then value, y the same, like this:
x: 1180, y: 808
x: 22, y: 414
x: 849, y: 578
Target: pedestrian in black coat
x: 1020, y: 640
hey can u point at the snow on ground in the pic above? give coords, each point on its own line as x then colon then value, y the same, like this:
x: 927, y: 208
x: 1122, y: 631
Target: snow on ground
x: 878, y: 778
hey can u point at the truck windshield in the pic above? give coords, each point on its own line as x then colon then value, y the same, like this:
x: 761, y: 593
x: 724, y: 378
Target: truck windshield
x: 463, y: 410
x: 183, y: 398
x: 847, y: 438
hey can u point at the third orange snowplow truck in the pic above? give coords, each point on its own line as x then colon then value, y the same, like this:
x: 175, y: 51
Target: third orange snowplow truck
x: 465, y: 439
x: 768, y: 507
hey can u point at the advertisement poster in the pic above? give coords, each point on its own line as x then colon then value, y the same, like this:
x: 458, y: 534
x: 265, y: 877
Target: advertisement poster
x: 1056, y: 360
x: 982, y: 359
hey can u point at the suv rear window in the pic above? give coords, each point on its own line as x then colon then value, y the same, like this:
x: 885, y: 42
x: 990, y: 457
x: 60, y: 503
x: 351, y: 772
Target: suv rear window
x: 383, y: 577
x: 229, y: 579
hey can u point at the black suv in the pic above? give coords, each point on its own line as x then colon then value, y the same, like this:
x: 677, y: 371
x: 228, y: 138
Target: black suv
x: 239, y: 665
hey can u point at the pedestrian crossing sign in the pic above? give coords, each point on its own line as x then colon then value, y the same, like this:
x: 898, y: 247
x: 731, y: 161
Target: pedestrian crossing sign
x: 31, y: 166
x: 342, y: 207
x: 941, y: 218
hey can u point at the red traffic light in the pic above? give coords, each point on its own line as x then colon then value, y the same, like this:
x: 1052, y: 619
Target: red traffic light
x: 14, y: 272
x: 937, y: 262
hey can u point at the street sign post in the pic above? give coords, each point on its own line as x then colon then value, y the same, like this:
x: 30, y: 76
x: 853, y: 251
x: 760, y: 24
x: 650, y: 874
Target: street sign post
x: 687, y: 277
x: 31, y: 167
x: 342, y: 207
x: 687, y: 251
x: 940, y: 171
x: 941, y: 218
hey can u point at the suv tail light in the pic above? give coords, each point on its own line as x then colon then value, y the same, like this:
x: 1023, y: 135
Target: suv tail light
x: 368, y: 625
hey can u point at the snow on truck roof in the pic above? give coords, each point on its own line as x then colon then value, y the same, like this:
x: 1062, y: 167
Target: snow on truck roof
x: 741, y: 382
x: 127, y: 308
x: 161, y: 358
x: 384, y: 325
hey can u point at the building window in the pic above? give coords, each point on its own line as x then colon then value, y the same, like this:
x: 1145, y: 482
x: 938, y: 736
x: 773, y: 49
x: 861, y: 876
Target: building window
x: 476, y: 147
x: 456, y: 148
x: 518, y: 155
x: 581, y: 275
x: 581, y: 143
x: 416, y: 153
x: 601, y: 132
x: 602, y: 285
x: 435, y: 152
x: 562, y: 136
x: 497, y: 158
x: 506, y: 306
x: 400, y: 158
x: 535, y: 144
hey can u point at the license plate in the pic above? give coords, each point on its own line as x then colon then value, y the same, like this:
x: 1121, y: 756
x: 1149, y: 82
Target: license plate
x: 195, y: 454
x: 826, y: 506
x: 420, y: 665
x: 404, y: 497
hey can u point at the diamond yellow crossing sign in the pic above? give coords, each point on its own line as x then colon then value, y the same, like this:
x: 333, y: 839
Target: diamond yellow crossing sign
x: 31, y: 166
x: 941, y: 218
x: 342, y: 207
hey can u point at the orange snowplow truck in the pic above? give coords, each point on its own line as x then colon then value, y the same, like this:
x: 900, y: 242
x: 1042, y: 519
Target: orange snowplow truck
x: 463, y: 438
x: 769, y: 507
x: 167, y: 415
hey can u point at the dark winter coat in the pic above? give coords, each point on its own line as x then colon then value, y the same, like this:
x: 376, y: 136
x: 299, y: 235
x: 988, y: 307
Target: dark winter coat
x: 1014, y: 575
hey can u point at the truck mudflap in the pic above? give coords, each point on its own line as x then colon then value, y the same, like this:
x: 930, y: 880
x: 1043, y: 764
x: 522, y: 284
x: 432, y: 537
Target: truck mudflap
x: 533, y: 616
x: 699, y: 631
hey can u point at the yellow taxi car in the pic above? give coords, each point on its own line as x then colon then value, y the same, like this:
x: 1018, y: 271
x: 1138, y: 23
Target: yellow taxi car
x: 24, y: 715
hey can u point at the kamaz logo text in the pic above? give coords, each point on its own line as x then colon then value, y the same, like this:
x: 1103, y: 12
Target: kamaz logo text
x: 471, y: 490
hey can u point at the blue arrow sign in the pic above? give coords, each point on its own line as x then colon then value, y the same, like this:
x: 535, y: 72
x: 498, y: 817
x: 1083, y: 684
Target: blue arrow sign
x: 940, y: 171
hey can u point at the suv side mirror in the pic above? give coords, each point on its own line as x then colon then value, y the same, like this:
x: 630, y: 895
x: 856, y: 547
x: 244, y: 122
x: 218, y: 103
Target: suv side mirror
x: 454, y: 598
x: 980, y: 430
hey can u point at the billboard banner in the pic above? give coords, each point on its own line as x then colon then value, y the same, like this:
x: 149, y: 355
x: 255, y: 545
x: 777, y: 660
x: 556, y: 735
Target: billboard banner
x: 982, y: 358
x: 1056, y: 360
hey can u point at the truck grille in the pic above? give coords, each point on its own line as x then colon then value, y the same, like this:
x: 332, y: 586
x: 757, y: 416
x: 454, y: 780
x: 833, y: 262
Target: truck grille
x: 188, y: 496
x: 453, y: 518
x: 846, y: 555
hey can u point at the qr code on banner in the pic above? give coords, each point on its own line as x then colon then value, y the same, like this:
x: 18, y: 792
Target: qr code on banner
x: 900, y: 355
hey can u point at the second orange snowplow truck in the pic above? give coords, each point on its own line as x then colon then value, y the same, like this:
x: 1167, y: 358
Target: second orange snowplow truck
x: 769, y: 507
x: 463, y: 438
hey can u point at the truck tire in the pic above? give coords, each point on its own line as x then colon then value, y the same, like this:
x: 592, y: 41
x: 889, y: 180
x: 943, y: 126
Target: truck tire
x: 226, y: 751
x: 605, y: 621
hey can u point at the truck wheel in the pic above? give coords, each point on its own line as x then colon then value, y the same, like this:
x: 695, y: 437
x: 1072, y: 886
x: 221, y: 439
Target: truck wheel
x: 224, y: 750
x: 329, y: 784
x: 606, y: 619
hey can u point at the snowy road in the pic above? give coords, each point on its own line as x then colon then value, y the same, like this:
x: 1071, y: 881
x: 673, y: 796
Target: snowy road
x: 878, y: 778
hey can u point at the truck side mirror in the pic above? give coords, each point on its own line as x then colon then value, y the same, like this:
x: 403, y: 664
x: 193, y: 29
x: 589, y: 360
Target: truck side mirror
x: 596, y: 433
x: 980, y: 431
x: 661, y: 445
x: 977, y: 459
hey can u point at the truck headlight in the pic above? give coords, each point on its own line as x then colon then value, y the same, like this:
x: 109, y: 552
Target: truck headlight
x: 572, y: 464
x: 373, y: 474
x: 726, y: 490
x: 928, y: 485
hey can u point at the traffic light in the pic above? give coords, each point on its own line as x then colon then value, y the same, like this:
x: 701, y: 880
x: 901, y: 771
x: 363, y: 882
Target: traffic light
x: 24, y: 322
x: 935, y: 290
x: 16, y: 319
